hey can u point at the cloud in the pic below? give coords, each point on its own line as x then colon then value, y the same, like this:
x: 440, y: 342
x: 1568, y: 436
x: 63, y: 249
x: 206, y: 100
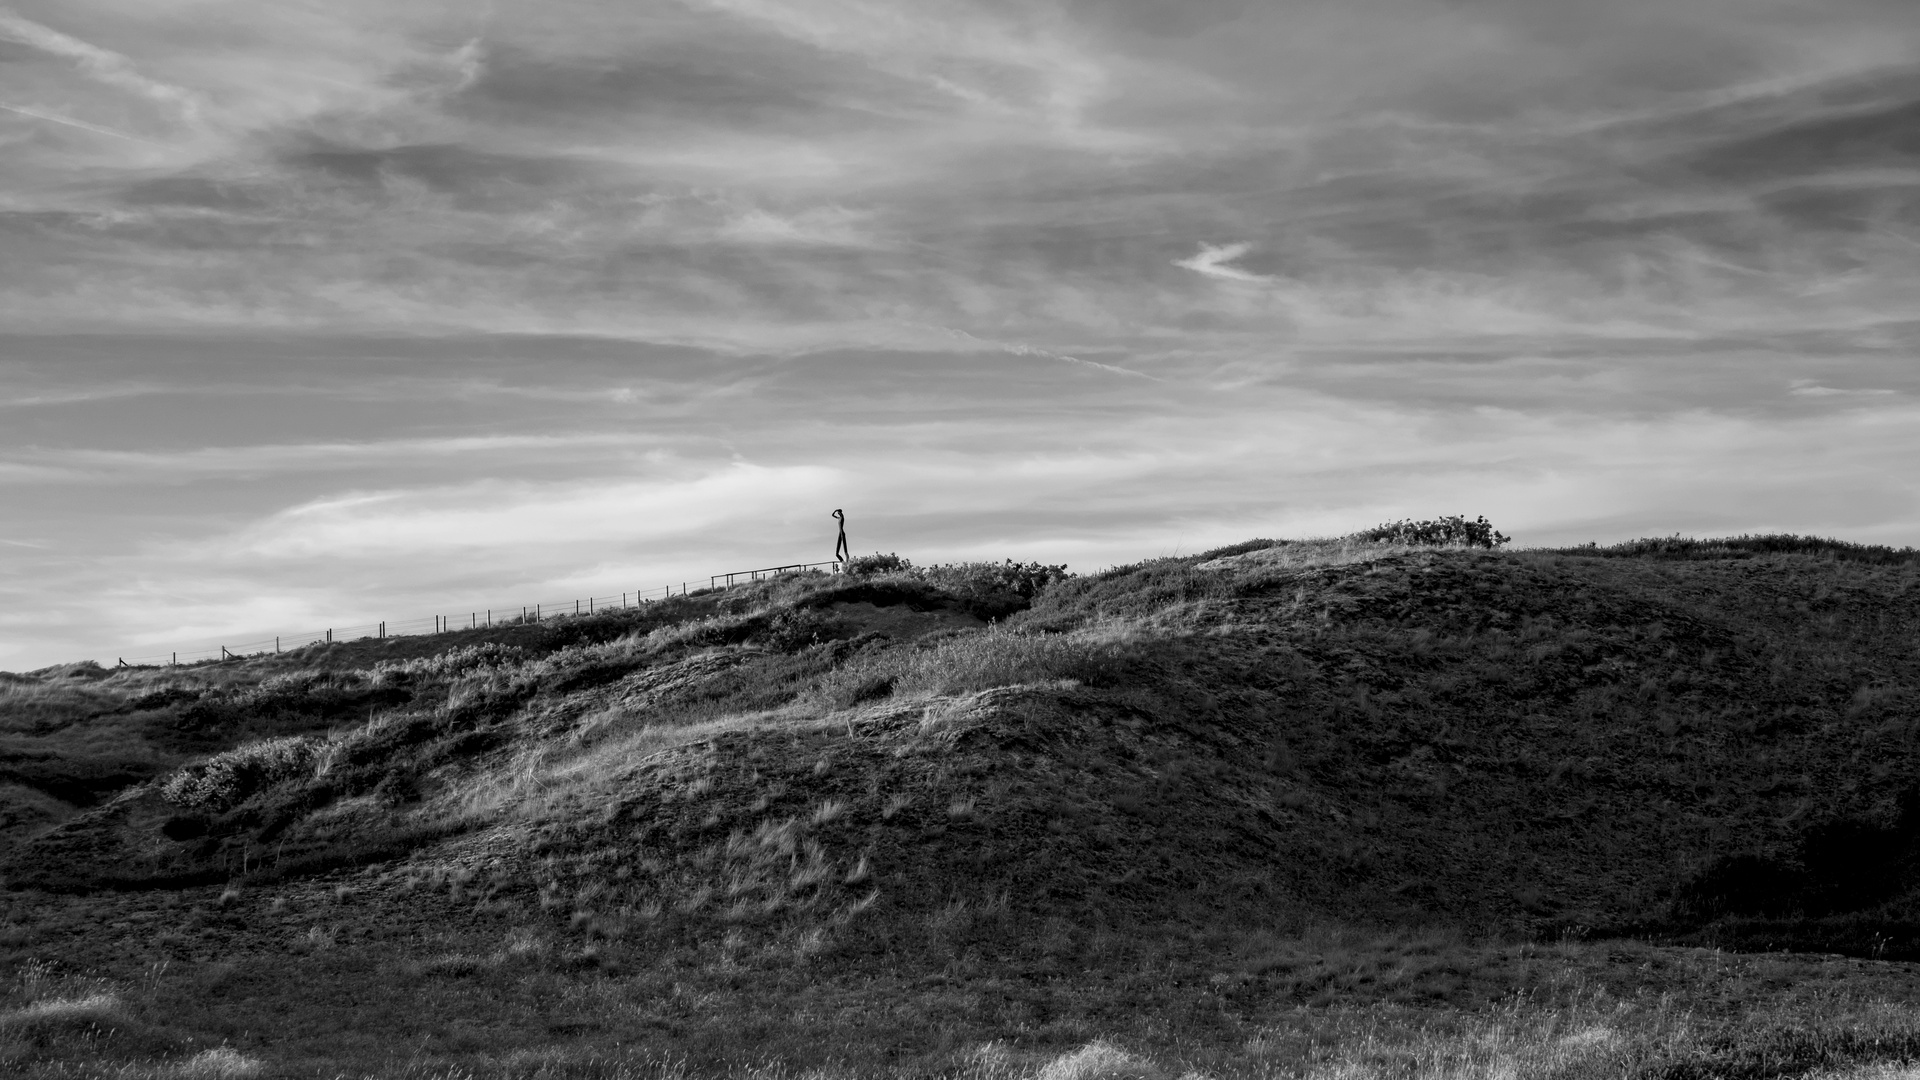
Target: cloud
x: 1809, y: 388
x: 101, y: 466
x: 42, y: 114
x: 1213, y: 259
x: 978, y: 56
x: 1022, y: 349
x: 510, y: 517
x: 107, y: 66
x: 940, y: 478
x: 404, y: 276
x: 826, y: 226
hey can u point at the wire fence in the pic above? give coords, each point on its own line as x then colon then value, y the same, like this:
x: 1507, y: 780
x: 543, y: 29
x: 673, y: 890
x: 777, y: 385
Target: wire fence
x: 472, y: 620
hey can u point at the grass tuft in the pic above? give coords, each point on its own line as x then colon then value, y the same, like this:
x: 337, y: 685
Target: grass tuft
x: 1100, y: 1060
x: 219, y: 1063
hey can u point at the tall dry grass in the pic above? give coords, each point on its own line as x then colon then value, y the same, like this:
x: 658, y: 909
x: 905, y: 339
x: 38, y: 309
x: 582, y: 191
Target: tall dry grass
x: 970, y: 662
x: 1307, y: 554
x: 32, y: 706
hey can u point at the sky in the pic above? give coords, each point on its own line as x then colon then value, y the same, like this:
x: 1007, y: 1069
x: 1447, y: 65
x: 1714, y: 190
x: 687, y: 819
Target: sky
x: 321, y: 313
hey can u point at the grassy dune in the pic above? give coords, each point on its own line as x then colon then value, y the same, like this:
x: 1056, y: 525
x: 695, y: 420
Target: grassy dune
x: 1340, y: 808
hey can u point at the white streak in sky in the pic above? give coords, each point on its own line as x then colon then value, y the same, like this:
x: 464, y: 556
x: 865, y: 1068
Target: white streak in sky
x: 1213, y: 259
x: 1016, y: 348
x: 66, y: 466
x: 104, y: 65
x: 1030, y: 350
x: 1808, y: 388
x: 81, y: 124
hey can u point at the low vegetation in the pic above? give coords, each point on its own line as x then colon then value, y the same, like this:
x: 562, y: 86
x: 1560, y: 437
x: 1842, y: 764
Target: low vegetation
x: 1396, y: 804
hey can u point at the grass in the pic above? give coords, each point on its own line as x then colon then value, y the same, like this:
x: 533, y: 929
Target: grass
x: 514, y: 1002
x: 1322, y: 808
x: 1740, y: 547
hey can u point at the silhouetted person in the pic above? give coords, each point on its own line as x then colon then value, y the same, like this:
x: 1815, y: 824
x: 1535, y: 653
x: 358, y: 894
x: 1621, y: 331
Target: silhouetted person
x: 840, y: 552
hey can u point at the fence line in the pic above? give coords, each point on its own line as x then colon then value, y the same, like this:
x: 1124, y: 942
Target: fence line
x: 441, y: 624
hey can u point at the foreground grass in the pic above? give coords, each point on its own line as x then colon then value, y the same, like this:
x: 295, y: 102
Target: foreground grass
x: 516, y: 1004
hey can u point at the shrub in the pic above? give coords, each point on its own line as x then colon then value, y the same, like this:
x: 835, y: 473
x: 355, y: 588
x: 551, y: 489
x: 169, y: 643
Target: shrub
x: 877, y: 563
x: 1024, y: 580
x: 793, y: 629
x: 164, y: 697
x: 1747, y: 547
x: 230, y: 778
x: 448, y: 664
x: 1453, y: 530
x: 985, y: 589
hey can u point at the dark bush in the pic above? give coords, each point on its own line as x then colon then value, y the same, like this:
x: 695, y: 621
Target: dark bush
x: 993, y: 590
x: 163, y: 697
x: 877, y: 563
x: 398, y: 787
x: 1741, y: 885
x: 1454, y: 530
x: 184, y: 828
x: 792, y: 629
x: 1845, y: 865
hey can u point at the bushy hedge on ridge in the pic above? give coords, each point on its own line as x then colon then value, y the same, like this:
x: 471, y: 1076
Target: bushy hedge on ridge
x: 1453, y: 530
x: 1746, y: 547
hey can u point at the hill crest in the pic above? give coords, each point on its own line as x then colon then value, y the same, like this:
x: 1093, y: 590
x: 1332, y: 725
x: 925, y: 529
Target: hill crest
x: 1283, y: 732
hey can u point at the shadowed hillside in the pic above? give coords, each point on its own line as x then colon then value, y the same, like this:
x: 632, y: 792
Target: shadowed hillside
x: 992, y: 766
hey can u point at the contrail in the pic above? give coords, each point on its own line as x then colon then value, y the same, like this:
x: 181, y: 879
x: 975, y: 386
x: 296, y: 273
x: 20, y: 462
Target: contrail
x: 105, y: 65
x: 1018, y: 348
x: 81, y: 124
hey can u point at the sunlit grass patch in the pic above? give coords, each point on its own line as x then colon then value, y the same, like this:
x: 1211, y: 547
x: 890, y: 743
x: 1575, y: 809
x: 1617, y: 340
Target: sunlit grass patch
x: 969, y: 662
x: 1303, y: 554
x: 1100, y: 1060
x: 218, y: 1063
x: 541, y: 778
x: 62, y: 1012
x: 1594, y: 1038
